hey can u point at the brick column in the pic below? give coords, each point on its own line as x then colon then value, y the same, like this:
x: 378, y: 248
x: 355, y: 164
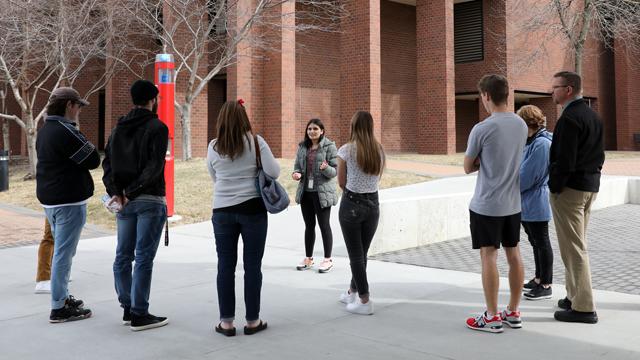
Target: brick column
x: 626, y: 83
x: 244, y: 77
x: 280, y: 85
x: 360, y: 66
x: 436, y: 119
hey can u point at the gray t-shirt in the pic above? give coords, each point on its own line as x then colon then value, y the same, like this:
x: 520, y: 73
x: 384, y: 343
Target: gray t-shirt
x: 499, y: 141
x: 357, y: 181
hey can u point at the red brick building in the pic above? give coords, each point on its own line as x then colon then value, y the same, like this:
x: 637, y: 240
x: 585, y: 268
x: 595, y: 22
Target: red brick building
x: 413, y: 64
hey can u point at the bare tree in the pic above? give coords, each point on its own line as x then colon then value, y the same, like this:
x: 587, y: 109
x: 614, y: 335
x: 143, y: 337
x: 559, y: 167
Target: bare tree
x: 46, y: 44
x: 6, y: 135
x: 207, y: 36
x: 573, y: 22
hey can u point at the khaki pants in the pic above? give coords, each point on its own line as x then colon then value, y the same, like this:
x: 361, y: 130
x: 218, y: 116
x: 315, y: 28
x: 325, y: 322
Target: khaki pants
x: 571, y: 210
x: 45, y: 254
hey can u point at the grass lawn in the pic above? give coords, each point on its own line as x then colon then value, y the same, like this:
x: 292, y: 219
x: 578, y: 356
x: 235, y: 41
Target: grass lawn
x: 193, y: 190
x: 458, y: 158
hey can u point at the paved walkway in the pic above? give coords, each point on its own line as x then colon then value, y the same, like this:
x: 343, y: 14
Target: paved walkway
x: 20, y: 226
x: 420, y: 311
x: 614, y: 252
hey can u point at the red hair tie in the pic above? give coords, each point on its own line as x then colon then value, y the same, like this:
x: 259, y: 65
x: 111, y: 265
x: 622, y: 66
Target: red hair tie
x: 241, y: 102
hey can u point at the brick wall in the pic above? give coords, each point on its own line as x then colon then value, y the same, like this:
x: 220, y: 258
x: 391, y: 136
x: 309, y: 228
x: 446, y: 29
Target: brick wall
x: 435, y: 77
x: 399, y: 72
x: 318, y: 83
x: 360, y: 77
x: 495, y: 59
x: 279, y: 84
x: 550, y: 110
x: 627, y: 109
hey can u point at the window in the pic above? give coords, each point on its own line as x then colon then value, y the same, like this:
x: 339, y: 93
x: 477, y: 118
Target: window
x: 468, y: 32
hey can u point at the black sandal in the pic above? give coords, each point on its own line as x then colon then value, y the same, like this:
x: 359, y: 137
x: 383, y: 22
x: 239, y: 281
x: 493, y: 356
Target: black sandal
x: 253, y: 330
x: 225, y: 332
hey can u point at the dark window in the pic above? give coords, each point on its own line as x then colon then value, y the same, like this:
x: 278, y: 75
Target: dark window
x: 468, y: 32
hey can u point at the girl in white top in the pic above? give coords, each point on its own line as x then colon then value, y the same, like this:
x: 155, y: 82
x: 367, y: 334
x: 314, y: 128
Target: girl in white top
x: 360, y: 165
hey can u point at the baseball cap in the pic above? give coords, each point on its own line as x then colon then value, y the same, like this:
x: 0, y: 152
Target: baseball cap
x: 67, y: 93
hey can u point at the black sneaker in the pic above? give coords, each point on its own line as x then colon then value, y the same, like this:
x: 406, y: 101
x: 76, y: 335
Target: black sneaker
x: 68, y: 313
x: 73, y: 302
x: 564, y: 304
x: 146, y: 322
x: 538, y: 293
x: 126, y: 316
x: 576, y: 316
x: 530, y: 285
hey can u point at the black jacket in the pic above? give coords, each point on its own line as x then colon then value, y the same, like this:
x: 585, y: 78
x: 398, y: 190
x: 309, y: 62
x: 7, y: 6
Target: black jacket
x: 577, y: 150
x: 65, y: 157
x: 134, y: 155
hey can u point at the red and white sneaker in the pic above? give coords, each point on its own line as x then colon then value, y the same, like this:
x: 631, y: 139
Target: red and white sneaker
x: 483, y: 323
x: 511, y: 318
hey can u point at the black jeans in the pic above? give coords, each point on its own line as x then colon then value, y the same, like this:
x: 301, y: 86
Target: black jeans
x: 538, y: 233
x: 227, y: 227
x: 310, y: 205
x: 359, y: 215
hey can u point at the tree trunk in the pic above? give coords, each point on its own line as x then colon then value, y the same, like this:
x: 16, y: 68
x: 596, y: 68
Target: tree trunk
x: 31, y: 150
x: 186, y: 131
x: 6, y: 136
x: 579, y: 55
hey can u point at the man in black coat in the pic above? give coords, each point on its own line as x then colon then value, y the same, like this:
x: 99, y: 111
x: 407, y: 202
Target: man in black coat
x: 576, y: 159
x: 134, y: 178
x: 63, y: 186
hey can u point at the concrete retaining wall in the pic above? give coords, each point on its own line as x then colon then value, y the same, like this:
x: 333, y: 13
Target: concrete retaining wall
x: 435, y: 211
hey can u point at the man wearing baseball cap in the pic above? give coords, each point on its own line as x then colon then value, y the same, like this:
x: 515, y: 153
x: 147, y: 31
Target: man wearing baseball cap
x: 134, y: 178
x: 63, y: 186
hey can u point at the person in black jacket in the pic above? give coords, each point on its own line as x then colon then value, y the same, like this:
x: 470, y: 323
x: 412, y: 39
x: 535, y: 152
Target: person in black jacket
x: 63, y: 185
x: 134, y: 178
x: 575, y: 162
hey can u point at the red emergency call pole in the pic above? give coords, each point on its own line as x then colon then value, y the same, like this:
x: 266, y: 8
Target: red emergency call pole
x: 164, y: 71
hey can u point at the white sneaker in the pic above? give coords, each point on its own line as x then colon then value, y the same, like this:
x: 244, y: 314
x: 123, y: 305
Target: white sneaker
x: 325, y: 266
x: 357, y: 307
x: 348, y: 298
x: 43, y: 287
x: 305, y: 264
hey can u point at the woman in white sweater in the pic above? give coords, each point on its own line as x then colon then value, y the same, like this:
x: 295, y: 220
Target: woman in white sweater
x: 238, y: 210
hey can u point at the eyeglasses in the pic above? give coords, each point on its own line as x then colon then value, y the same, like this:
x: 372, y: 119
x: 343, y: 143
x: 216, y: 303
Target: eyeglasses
x: 559, y: 86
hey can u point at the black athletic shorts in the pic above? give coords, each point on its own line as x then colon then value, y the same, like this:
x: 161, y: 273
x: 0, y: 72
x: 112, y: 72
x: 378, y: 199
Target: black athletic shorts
x: 494, y: 230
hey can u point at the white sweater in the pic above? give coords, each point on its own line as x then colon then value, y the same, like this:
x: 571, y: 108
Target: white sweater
x: 235, y: 181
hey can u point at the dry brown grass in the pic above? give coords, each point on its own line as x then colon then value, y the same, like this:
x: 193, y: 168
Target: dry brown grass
x: 458, y: 158
x: 453, y: 159
x: 615, y: 155
x: 193, y: 190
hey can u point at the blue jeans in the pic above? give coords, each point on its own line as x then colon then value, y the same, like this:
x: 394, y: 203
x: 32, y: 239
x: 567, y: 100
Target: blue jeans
x: 140, y: 226
x: 227, y: 227
x: 66, y: 225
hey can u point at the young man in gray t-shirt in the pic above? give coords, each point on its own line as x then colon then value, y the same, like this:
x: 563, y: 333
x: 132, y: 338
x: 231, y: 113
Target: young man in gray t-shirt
x: 495, y: 151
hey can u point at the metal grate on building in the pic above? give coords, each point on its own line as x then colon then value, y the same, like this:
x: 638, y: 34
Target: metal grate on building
x: 468, y: 31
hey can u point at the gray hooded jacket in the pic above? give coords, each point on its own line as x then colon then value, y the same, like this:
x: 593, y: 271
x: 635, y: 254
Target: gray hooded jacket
x: 325, y: 179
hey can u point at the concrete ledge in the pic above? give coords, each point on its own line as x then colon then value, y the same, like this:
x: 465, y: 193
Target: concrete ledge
x: 438, y: 210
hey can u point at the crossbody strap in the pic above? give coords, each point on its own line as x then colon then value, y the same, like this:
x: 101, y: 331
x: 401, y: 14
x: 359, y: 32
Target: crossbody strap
x: 258, y: 158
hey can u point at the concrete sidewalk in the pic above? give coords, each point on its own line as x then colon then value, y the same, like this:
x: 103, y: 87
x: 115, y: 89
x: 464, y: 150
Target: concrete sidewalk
x: 420, y: 312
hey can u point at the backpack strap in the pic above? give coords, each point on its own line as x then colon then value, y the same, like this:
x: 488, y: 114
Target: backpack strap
x: 258, y: 158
